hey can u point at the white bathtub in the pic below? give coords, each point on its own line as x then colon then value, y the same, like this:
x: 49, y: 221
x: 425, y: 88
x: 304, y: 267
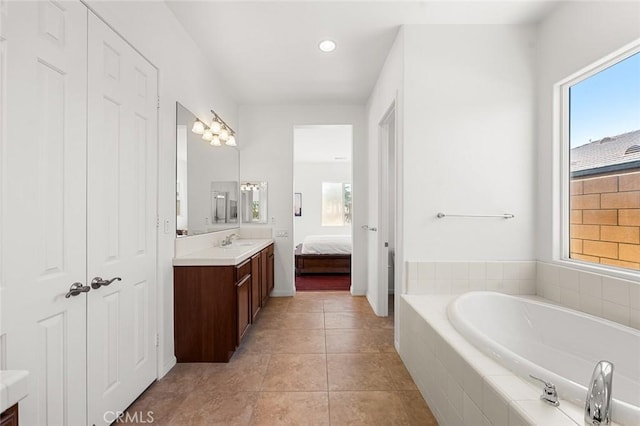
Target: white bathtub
x: 554, y: 343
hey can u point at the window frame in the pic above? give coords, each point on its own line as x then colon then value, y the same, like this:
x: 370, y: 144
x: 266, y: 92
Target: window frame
x: 562, y: 182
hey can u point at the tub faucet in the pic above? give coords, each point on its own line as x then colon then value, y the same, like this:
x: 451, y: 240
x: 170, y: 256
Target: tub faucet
x: 549, y: 394
x: 597, y: 409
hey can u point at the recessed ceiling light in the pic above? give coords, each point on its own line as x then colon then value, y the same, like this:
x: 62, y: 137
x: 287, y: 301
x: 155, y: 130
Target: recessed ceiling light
x: 327, y: 45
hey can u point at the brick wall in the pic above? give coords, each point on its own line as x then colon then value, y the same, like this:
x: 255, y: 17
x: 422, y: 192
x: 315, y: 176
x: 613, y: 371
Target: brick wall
x: 605, y: 219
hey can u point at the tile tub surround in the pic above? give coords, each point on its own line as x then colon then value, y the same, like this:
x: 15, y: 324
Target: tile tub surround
x: 462, y: 385
x: 601, y: 295
x: 608, y: 297
x: 510, y: 277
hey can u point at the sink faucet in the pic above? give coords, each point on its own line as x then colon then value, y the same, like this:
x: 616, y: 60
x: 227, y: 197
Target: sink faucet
x: 597, y: 409
x: 227, y: 240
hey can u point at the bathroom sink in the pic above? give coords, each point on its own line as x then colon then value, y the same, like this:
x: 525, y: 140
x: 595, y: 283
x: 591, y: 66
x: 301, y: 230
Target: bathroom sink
x: 239, y: 244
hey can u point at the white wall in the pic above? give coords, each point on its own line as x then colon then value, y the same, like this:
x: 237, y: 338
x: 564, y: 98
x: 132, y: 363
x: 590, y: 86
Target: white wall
x: 185, y: 76
x: 307, y: 179
x: 469, y: 144
x: 266, y: 152
x: 573, y: 37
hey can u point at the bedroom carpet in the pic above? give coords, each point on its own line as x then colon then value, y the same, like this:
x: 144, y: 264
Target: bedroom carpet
x: 323, y: 282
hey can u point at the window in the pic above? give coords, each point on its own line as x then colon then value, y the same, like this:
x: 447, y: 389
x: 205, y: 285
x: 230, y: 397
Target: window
x: 336, y: 204
x: 602, y: 138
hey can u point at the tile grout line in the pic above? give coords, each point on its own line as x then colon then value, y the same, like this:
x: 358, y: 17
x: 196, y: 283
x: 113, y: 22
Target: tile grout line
x: 326, y: 361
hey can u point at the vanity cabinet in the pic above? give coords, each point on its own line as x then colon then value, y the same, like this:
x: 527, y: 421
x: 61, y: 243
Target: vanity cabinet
x: 215, y: 305
x: 9, y: 417
x: 256, y: 298
x: 243, y: 299
x: 264, y: 284
x: 270, y: 268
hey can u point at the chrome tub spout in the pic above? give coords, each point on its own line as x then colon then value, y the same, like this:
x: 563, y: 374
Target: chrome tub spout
x: 597, y: 409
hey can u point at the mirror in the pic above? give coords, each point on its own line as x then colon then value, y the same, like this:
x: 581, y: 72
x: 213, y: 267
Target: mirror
x: 206, y: 181
x: 254, y: 202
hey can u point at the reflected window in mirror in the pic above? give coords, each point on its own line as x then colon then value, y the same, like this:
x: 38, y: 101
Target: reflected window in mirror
x: 207, y: 176
x: 254, y: 202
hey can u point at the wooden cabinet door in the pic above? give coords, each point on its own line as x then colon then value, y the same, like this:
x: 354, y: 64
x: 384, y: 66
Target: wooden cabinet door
x: 205, y: 318
x: 255, y: 286
x: 264, y: 285
x: 9, y: 417
x: 243, y: 290
x: 270, y: 268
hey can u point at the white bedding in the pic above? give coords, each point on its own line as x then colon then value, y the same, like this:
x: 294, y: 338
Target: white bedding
x: 327, y: 244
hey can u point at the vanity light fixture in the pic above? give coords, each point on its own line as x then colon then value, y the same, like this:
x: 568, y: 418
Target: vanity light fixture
x: 224, y: 134
x: 216, y: 133
x: 216, y: 126
x: 327, y: 45
x: 198, y: 127
x: 248, y: 186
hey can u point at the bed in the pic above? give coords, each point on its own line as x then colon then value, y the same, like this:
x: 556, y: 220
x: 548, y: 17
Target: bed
x: 324, y: 254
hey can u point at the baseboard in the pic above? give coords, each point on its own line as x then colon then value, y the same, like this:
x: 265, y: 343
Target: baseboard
x: 168, y: 366
x: 280, y: 293
x: 358, y: 292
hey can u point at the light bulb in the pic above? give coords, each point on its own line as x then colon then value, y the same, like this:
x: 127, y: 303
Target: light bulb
x: 327, y: 46
x: 207, y: 135
x: 231, y: 141
x: 215, y: 141
x: 198, y: 127
x: 224, y: 135
x: 215, y: 126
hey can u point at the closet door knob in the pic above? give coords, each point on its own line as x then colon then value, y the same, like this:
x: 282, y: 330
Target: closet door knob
x: 76, y: 289
x: 98, y: 282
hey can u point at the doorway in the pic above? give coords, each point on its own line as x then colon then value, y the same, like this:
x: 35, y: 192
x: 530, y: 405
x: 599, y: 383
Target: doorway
x: 323, y: 212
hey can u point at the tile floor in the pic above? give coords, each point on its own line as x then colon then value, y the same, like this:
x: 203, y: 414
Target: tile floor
x: 314, y: 359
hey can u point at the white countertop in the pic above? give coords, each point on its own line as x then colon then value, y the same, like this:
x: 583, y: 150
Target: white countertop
x: 234, y: 254
x: 14, y: 385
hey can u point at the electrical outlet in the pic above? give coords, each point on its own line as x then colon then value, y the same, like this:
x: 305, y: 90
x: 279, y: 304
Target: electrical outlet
x: 282, y: 233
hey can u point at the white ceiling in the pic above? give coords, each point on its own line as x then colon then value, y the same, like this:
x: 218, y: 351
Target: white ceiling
x: 322, y: 143
x: 266, y: 51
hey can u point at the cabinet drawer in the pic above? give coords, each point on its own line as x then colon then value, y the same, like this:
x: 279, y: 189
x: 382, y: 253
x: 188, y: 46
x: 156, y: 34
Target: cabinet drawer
x: 243, y: 269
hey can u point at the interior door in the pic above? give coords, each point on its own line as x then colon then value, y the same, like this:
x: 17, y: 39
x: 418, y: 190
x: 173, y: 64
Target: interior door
x: 43, y: 135
x: 121, y: 216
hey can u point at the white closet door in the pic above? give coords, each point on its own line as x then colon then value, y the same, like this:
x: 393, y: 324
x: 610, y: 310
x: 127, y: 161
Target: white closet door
x: 121, y: 216
x: 43, y: 205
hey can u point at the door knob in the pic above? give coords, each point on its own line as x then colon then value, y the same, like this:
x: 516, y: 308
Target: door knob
x: 98, y: 282
x: 76, y: 289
